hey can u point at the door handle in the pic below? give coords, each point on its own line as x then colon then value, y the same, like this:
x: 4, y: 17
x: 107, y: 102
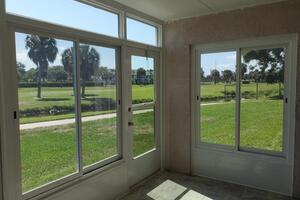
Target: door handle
x: 130, y: 124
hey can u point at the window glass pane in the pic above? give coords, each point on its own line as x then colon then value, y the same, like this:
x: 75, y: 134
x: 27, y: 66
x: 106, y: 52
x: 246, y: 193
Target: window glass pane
x: 262, y: 91
x: 143, y: 131
x: 98, y: 103
x: 141, y: 32
x: 142, y: 73
x: 46, y: 106
x: 67, y: 13
x: 142, y: 77
x: 217, y: 97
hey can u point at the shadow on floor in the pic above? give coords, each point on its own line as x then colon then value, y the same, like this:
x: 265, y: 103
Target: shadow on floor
x: 173, y: 186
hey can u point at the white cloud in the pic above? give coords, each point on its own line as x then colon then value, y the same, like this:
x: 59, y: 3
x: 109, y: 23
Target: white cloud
x: 23, y: 58
x: 231, y: 57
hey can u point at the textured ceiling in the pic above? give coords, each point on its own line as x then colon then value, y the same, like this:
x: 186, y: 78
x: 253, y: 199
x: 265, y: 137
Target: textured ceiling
x: 168, y: 10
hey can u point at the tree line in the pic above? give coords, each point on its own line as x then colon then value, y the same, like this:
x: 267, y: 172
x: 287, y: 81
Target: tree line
x: 264, y: 65
x: 43, y: 50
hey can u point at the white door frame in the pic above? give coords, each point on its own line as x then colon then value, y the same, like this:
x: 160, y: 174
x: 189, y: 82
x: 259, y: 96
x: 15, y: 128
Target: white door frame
x: 149, y: 162
x: 255, y: 169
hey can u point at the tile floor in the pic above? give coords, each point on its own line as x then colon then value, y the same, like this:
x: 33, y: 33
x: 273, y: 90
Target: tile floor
x: 173, y: 186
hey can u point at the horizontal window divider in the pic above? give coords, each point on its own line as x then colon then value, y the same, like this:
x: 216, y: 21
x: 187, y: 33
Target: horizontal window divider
x: 139, y: 45
x: 146, y: 153
x: 36, y: 192
x: 22, y: 24
x: 218, y: 147
x: 143, y: 106
x: 262, y: 152
x: 100, y: 164
x: 29, y: 25
x: 71, y: 183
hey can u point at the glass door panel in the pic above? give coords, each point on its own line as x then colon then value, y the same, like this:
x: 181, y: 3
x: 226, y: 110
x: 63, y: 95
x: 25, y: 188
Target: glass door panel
x: 262, y: 99
x: 143, y: 104
x: 99, y: 114
x: 46, y: 110
x: 217, y: 98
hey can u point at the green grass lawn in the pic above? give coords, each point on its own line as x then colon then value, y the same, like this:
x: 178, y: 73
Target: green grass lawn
x: 211, y: 92
x: 50, y: 153
x: 61, y: 97
x: 261, y: 124
x: 64, y: 96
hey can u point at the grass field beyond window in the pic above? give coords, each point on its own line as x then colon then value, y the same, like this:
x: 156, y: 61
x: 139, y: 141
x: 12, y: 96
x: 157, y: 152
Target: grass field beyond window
x: 261, y: 124
x: 50, y: 153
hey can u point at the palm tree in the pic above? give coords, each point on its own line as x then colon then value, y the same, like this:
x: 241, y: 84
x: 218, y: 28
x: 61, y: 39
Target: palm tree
x: 42, y: 50
x: 89, y: 63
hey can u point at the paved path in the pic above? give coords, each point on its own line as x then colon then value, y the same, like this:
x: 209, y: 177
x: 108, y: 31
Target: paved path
x: 70, y: 121
x: 84, y: 119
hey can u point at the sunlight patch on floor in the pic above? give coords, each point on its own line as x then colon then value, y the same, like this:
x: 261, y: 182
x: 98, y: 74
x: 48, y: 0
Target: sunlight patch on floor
x: 170, y: 190
x: 193, y: 195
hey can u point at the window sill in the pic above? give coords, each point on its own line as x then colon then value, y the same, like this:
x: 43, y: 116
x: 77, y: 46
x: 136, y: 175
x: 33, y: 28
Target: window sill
x: 74, y: 182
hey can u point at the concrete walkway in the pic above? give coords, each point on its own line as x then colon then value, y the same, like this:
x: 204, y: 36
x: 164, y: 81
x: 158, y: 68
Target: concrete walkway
x: 71, y: 121
x: 86, y: 119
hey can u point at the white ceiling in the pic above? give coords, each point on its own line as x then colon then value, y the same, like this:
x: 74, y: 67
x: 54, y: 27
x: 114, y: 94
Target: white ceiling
x: 168, y: 10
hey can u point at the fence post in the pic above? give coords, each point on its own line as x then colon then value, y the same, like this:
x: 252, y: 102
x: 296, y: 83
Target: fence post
x: 225, y: 92
x: 256, y: 90
x: 279, y: 90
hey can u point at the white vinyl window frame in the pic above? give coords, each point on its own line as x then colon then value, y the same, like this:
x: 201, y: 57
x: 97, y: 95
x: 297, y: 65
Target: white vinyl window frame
x: 147, y: 22
x: 91, y: 3
x: 155, y: 104
x: 289, y: 43
x: 81, y: 169
x: 122, y: 16
x: 11, y: 142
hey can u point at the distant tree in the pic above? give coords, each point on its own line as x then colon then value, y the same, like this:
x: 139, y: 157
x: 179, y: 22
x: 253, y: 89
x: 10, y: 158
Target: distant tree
x: 215, y: 75
x: 57, y: 73
x: 227, y: 76
x: 106, y: 75
x: 30, y: 75
x: 89, y: 63
x: 243, y: 70
x: 20, y: 70
x: 255, y: 75
x: 42, y: 51
x: 140, y: 74
x: 270, y: 62
x: 201, y: 73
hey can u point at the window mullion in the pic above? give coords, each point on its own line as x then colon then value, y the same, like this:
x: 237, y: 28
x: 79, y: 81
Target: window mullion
x: 238, y: 100
x: 76, y: 60
x: 122, y: 25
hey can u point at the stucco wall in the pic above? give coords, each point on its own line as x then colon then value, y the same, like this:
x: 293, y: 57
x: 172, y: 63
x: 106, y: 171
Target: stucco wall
x: 266, y: 20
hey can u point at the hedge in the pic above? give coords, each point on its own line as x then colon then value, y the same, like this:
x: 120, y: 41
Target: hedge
x: 56, y: 84
x: 105, y: 104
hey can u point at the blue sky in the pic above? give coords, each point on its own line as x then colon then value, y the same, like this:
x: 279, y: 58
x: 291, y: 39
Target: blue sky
x: 74, y: 14
x: 107, y: 55
x: 80, y: 16
x: 220, y: 61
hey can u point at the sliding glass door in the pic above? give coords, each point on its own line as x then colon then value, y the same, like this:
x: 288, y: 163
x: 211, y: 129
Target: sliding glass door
x: 243, y: 107
x: 69, y: 108
x: 142, y: 77
x: 262, y: 99
x: 243, y: 112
